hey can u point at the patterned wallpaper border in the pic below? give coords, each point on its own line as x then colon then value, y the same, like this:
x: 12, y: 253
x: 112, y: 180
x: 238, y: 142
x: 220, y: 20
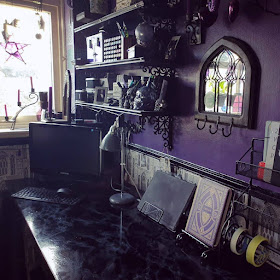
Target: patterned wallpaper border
x: 14, y: 162
x: 263, y: 216
x: 221, y: 178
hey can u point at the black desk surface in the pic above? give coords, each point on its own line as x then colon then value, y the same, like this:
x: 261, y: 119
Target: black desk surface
x: 93, y: 240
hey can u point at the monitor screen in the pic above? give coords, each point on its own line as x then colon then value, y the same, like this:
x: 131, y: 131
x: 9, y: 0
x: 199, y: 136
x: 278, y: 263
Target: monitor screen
x: 64, y: 149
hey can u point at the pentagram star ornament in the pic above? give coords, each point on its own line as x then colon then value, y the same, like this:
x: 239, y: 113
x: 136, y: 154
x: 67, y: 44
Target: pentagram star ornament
x: 14, y: 49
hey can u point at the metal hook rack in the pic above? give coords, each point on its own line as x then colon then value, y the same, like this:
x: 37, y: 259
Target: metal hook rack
x: 216, y: 128
x: 230, y: 129
x: 204, y: 123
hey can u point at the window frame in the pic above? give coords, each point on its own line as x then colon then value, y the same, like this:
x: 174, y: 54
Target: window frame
x: 56, y: 8
x: 246, y: 119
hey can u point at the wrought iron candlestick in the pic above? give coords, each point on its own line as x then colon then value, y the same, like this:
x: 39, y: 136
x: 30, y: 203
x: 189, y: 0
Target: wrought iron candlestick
x: 13, y: 120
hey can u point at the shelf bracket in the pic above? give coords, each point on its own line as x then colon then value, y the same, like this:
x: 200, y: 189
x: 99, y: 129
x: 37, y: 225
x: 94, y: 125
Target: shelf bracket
x: 137, y: 127
x: 163, y: 126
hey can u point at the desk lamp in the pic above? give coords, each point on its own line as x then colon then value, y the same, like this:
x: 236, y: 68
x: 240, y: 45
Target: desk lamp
x: 113, y: 143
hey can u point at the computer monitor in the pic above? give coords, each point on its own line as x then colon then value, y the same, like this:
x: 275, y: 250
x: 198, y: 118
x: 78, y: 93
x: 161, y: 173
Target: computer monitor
x: 62, y: 149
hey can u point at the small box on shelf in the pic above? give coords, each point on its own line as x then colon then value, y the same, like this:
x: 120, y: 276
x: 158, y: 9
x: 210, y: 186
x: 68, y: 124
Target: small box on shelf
x: 95, y: 48
x: 121, y: 4
x: 90, y: 95
x: 99, y: 7
x: 135, y: 51
x: 81, y: 95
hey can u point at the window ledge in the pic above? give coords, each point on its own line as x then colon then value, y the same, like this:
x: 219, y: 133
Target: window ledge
x: 16, y: 133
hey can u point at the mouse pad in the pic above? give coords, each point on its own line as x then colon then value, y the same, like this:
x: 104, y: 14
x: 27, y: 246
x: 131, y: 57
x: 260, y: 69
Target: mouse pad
x: 166, y: 198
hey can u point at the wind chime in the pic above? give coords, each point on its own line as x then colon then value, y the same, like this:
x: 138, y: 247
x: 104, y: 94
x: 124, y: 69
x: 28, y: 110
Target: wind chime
x: 11, y: 46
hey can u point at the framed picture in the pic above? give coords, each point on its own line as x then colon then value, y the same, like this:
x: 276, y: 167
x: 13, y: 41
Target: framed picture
x: 170, y: 53
x: 100, y: 96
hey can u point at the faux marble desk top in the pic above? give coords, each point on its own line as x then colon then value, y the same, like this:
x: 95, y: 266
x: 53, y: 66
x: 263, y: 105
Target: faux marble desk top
x: 93, y: 240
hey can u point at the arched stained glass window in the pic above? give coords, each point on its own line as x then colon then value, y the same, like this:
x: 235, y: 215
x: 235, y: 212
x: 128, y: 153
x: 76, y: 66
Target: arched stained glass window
x: 227, y: 83
x: 224, y: 84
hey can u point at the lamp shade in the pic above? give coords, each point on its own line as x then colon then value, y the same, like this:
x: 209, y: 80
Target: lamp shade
x: 111, y: 142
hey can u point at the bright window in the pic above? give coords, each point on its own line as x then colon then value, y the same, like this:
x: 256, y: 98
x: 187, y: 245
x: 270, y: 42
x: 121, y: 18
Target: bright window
x: 32, y: 45
x: 34, y: 60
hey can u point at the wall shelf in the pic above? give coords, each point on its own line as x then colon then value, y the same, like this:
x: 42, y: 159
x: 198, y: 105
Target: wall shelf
x: 121, y: 12
x: 119, y: 110
x: 258, y: 173
x: 130, y: 61
x: 161, y: 16
x: 252, y: 170
x: 161, y: 121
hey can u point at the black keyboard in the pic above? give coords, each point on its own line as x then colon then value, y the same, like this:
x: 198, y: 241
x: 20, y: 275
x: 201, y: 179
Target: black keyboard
x: 45, y: 195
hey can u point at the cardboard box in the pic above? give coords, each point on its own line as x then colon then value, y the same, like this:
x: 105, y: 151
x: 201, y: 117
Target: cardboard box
x: 99, y: 7
x: 135, y: 51
x: 121, y: 4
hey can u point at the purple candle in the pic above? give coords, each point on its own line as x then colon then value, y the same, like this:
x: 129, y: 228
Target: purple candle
x: 50, y: 102
x: 31, y: 82
x: 6, y: 112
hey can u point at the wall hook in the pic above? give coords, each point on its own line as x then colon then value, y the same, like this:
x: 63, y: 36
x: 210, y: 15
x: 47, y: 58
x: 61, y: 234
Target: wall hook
x: 230, y: 129
x: 197, y: 124
x: 217, y: 126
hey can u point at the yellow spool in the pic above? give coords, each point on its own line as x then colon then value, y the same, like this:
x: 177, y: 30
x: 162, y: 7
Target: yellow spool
x: 234, y: 239
x: 259, y: 259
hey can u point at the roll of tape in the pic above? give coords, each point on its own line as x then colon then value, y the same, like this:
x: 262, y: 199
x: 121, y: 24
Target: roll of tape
x: 235, y: 242
x: 257, y: 255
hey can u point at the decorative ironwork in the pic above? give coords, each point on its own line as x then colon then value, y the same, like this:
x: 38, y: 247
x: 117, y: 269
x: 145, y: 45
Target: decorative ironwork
x: 159, y: 15
x: 159, y: 24
x: 163, y: 125
x: 158, y: 71
x: 193, y: 28
x: 137, y: 127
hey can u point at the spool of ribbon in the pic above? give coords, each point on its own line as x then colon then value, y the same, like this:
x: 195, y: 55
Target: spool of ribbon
x: 239, y: 243
x: 256, y: 253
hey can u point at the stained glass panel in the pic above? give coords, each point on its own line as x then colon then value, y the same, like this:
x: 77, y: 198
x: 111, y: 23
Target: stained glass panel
x: 224, y: 84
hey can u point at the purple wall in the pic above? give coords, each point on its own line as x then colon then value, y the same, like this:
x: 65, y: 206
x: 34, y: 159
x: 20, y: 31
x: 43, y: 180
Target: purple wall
x: 261, y: 31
